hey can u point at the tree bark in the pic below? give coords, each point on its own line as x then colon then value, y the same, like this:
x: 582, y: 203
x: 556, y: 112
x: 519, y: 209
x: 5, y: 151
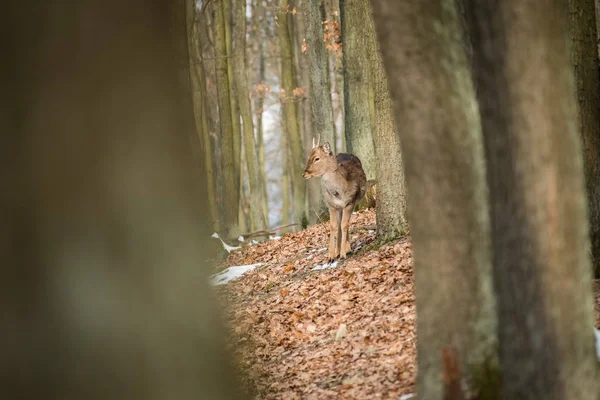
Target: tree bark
x: 357, y: 118
x: 434, y: 100
x: 233, y: 98
x: 197, y: 79
x: 104, y: 224
x: 320, y: 90
x: 584, y: 58
x: 257, y: 212
x: 391, y: 187
x: 231, y: 189
x: 292, y: 129
x: 542, y: 271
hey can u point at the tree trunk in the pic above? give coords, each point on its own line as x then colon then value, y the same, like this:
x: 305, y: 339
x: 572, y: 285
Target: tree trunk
x: 391, y: 188
x: 233, y: 98
x: 535, y: 175
x: 320, y: 90
x: 292, y: 129
x: 584, y: 57
x: 357, y: 117
x: 197, y: 79
x: 257, y: 212
x: 260, y: 134
x: 442, y: 147
x: 104, y: 225
x: 231, y: 189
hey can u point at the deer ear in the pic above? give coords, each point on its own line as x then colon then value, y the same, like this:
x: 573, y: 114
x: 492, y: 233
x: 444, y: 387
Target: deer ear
x: 327, y: 148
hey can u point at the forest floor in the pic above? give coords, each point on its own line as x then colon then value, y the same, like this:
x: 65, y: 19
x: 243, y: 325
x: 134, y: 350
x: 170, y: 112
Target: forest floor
x: 343, y: 332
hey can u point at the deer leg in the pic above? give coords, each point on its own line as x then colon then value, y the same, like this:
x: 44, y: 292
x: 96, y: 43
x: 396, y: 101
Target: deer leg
x: 348, y: 247
x: 334, y: 249
x: 345, y: 246
x: 339, y: 234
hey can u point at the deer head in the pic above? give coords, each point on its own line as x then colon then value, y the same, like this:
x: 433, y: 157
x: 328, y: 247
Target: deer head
x: 320, y: 161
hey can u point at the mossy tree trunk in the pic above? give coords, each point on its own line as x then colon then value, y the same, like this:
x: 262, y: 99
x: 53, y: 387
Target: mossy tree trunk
x: 391, y: 187
x: 542, y: 269
x: 434, y: 102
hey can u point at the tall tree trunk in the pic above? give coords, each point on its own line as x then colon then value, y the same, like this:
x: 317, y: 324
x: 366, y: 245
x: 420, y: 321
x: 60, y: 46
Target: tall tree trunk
x: 320, y: 90
x: 535, y: 175
x: 233, y: 98
x: 434, y: 100
x: 318, y: 60
x: 285, y: 181
x: 357, y: 118
x: 584, y: 57
x: 260, y: 131
x: 258, y: 216
x: 292, y: 129
x: 104, y: 233
x: 231, y: 189
x: 197, y: 79
x: 391, y: 188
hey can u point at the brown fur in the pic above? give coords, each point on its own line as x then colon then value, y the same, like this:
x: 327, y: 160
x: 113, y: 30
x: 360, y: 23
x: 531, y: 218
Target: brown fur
x: 344, y: 184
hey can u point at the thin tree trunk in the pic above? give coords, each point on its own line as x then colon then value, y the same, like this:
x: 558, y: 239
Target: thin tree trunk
x: 359, y: 140
x: 258, y: 216
x: 542, y: 269
x: 285, y: 181
x: 584, y: 57
x: 391, y: 188
x: 231, y: 189
x: 434, y: 101
x: 260, y: 133
x: 290, y: 116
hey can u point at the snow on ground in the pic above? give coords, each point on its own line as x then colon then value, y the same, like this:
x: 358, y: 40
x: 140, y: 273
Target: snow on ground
x: 232, y: 273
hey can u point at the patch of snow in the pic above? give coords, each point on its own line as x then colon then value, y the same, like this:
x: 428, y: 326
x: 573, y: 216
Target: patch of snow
x: 371, y: 231
x: 231, y: 273
x: 597, y: 334
x: 241, y: 239
x: 254, y: 241
x: 310, y: 256
x: 227, y: 247
x: 274, y: 237
x: 325, y: 266
x: 354, y: 213
x: 407, y: 396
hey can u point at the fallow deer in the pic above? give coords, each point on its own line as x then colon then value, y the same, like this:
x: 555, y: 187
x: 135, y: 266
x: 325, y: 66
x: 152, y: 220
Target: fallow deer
x: 344, y: 184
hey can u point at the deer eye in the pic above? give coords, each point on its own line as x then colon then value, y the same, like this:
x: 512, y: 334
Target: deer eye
x: 317, y: 159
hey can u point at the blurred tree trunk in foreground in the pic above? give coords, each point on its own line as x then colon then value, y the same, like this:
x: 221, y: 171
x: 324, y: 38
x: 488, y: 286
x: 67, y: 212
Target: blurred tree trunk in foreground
x: 434, y: 100
x: 104, y: 225
x: 542, y: 269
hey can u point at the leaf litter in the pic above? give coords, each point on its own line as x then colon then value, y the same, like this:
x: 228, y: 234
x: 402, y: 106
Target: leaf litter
x: 301, y: 331
x: 345, y: 330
